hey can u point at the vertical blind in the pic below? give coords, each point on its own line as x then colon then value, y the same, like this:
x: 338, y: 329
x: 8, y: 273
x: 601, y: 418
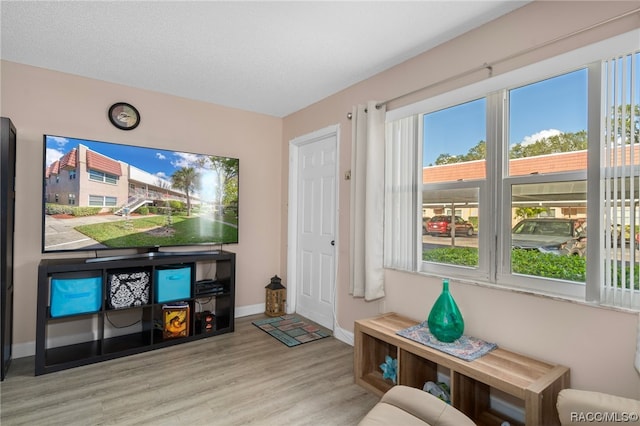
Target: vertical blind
x: 620, y: 173
x: 401, y: 187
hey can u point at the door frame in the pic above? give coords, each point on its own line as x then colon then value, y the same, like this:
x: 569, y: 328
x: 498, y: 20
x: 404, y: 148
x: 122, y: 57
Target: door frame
x: 292, y: 234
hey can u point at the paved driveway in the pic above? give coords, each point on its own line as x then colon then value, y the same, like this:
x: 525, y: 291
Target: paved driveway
x: 61, y: 235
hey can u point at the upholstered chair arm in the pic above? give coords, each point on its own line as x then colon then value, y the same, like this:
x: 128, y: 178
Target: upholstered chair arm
x: 410, y: 406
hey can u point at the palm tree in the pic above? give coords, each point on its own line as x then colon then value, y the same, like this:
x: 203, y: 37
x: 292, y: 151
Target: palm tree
x: 185, y: 179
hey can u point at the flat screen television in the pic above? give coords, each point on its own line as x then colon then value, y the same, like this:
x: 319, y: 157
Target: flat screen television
x: 106, y: 196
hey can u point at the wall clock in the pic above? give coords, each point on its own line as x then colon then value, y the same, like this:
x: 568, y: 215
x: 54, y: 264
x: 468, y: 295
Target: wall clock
x: 124, y: 116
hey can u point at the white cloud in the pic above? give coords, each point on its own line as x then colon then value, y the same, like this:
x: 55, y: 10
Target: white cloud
x: 52, y: 155
x: 160, y: 156
x: 60, y: 141
x: 528, y: 140
x: 184, y: 159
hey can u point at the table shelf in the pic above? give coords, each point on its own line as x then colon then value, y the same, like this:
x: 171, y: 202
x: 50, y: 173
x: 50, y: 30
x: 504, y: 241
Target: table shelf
x: 533, y: 382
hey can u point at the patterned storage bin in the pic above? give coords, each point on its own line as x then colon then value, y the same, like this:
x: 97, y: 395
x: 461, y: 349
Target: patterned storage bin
x: 127, y: 289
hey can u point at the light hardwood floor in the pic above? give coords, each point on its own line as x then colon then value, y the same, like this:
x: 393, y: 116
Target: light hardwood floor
x: 245, y: 377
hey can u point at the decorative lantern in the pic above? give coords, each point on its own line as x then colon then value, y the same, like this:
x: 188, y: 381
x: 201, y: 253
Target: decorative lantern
x: 276, y: 297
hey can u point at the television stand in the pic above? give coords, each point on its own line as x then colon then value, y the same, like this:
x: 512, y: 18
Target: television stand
x: 89, y: 334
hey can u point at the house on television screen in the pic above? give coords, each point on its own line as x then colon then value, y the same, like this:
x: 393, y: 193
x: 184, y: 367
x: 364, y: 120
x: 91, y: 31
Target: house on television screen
x: 86, y: 178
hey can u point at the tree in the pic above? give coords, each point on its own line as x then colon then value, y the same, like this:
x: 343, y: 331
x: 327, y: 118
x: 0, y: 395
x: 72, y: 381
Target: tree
x: 525, y: 212
x: 227, y: 172
x: 477, y: 152
x: 563, y: 142
x: 617, y: 125
x: 186, y: 179
x: 446, y: 159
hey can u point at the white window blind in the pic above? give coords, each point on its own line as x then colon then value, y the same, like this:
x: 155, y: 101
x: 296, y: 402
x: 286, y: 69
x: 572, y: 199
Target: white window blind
x: 401, y: 187
x: 620, y: 180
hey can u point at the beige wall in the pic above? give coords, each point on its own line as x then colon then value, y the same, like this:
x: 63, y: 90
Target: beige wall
x: 40, y: 101
x: 597, y: 344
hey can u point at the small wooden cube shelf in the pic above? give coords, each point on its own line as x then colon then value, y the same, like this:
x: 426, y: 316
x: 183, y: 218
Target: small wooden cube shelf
x: 535, y: 383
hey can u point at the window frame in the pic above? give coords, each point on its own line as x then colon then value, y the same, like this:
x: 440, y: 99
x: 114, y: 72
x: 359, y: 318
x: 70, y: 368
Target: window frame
x: 495, y: 239
x: 100, y: 176
x: 113, y: 200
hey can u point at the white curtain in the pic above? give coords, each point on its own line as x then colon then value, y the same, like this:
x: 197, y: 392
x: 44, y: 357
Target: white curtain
x: 636, y: 362
x: 401, y: 187
x: 367, y: 201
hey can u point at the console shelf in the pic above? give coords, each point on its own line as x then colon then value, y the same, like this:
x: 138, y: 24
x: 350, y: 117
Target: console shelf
x: 70, y: 340
x: 532, y: 383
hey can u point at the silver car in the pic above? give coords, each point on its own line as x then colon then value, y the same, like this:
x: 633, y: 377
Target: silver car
x: 551, y: 235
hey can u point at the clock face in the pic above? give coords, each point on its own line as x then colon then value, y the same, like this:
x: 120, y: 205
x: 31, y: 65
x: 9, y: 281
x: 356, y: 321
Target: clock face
x: 124, y: 116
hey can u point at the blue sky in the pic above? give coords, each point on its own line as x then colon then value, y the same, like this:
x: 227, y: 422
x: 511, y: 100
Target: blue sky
x: 158, y: 162
x: 541, y: 109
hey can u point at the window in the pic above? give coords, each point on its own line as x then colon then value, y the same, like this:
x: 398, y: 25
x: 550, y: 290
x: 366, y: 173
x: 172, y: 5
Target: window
x: 541, y: 170
x: 72, y: 199
x: 453, y: 173
x: 99, y: 176
x: 72, y: 174
x: 532, y: 179
x: 545, y: 183
x: 102, y: 201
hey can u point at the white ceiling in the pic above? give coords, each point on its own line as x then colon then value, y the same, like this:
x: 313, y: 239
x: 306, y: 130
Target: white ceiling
x: 271, y: 57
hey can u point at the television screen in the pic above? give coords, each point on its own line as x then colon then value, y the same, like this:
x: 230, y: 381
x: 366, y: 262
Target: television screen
x: 102, y: 195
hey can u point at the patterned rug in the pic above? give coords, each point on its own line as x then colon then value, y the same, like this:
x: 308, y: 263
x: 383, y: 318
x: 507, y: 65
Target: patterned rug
x: 292, y: 330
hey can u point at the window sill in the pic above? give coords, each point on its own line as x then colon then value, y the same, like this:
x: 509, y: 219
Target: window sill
x: 527, y: 292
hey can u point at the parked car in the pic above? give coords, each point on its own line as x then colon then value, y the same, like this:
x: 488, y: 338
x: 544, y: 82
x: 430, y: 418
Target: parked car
x: 424, y: 224
x: 551, y: 235
x: 441, y: 225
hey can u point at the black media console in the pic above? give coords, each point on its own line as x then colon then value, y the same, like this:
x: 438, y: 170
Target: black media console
x: 88, y: 312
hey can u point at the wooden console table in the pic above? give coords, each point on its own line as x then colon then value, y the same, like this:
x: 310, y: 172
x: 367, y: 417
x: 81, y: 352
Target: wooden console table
x: 535, y: 383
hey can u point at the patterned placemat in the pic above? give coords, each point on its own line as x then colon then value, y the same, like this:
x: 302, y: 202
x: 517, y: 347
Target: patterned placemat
x: 466, y: 347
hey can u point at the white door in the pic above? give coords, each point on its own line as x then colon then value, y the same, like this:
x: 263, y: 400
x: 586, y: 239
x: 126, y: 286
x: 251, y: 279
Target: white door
x: 315, y: 227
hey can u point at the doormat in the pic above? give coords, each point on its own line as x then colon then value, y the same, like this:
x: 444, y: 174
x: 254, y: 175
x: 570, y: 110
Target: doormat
x: 292, y: 330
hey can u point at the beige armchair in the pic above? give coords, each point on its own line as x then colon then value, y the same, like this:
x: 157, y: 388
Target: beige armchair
x: 578, y: 407
x: 407, y: 406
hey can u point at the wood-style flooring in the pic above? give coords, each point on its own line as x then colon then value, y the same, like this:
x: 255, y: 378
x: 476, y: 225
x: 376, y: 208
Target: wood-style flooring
x: 240, y: 378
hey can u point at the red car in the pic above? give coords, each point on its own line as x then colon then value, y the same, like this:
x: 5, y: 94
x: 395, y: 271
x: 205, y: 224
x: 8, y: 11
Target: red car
x: 441, y: 225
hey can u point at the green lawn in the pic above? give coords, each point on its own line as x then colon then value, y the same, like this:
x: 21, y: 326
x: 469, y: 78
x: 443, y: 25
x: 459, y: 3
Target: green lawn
x: 151, y: 231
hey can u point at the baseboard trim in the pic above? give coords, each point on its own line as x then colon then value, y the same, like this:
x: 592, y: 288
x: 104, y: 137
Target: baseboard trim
x: 245, y: 311
x: 343, y: 335
x: 23, y: 350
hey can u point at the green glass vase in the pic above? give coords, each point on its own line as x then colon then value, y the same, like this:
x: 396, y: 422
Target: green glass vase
x: 445, y: 320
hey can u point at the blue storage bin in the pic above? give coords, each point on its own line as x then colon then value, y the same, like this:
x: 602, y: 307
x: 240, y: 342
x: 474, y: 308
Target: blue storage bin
x: 172, y: 284
x: 75, y: 294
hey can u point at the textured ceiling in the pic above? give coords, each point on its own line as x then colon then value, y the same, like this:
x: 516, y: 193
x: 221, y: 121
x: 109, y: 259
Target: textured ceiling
x: 268, y: 57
